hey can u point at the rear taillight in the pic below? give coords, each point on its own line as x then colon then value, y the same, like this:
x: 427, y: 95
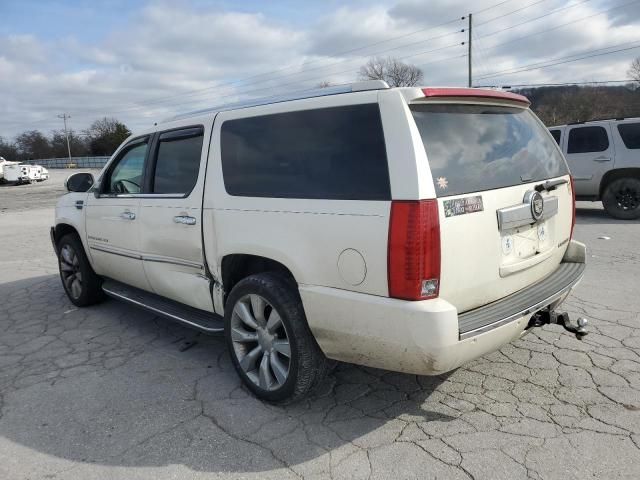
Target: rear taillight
x: 414, y: 250
x: 573, y: 206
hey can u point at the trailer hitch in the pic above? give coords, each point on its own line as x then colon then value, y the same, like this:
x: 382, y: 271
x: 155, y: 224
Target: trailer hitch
x: 545, y: 317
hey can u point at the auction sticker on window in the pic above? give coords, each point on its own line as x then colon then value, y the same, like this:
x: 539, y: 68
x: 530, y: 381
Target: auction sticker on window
x: 462, y: 206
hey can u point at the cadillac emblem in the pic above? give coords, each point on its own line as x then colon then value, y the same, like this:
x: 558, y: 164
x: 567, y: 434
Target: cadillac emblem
x: 537, y: 205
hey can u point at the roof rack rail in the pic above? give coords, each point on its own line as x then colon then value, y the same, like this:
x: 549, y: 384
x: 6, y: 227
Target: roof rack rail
x: 604, y: 119
x: 300, y: 95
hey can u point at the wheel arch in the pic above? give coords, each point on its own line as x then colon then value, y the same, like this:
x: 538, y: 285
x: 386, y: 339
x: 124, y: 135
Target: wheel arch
x: 62, y: 229
x: 615, y: 174
x: 237, y: 266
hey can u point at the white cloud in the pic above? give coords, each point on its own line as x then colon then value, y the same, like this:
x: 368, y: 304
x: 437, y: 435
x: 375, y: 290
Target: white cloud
x: 169, y: 58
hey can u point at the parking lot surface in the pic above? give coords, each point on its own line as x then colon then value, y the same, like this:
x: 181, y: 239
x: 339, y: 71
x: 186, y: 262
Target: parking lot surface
x: 114, y: 392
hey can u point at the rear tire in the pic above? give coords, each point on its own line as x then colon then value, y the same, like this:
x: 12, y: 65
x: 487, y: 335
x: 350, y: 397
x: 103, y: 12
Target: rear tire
x: 269, y: 340
x: 621, y: 198
x: 81, y: 284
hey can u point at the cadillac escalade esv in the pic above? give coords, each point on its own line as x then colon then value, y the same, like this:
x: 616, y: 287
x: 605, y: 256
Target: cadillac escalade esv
x: 409, y: 229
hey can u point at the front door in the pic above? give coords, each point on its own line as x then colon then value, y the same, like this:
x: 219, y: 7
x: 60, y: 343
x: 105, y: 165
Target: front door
x: 112, y: 223
x: 171, y: 216
x: 589, y: 155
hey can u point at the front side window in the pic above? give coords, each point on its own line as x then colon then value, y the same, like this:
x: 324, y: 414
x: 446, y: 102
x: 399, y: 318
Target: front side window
x: 328, y: 153
x: 474, y: 148
x: 630, y: 133
x: 588, y: 140
x: 178, y: 161
x: 556, y: 135
x: 126, y: 176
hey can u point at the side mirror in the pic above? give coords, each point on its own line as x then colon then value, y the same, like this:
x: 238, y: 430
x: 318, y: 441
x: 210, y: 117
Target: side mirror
x: 79, y: 182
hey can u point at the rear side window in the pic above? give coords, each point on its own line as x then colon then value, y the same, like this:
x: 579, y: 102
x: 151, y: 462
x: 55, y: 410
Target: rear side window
x: 588, y: 140
x: 556, y: 135
x: 329, y: 153
x: 630, y: 133
x: 178, y: 161
x: 472, y: 148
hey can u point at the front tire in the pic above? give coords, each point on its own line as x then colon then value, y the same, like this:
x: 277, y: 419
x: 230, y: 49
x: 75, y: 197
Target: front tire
x: 269, y: 340
x: 81, y: 284
x: 621, y: 198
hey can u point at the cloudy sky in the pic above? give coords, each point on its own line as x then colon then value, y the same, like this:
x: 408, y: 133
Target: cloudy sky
x: 141, y: 61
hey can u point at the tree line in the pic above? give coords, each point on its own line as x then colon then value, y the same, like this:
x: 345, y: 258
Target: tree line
x: 100, y: 139
x: 569, y: 104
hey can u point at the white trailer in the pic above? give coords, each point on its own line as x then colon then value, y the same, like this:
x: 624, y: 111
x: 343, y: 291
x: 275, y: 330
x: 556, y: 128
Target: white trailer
x: 3, y: 163
x: 19, y: 173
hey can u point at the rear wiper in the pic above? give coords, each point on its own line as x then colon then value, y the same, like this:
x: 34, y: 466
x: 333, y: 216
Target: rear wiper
x: 550, y: 185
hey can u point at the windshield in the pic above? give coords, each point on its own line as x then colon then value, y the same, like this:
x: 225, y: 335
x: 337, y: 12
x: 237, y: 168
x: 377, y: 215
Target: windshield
x: 472, y: 148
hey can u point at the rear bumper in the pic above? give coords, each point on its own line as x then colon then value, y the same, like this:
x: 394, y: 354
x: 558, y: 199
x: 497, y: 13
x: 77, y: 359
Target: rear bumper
x: 428, y: 337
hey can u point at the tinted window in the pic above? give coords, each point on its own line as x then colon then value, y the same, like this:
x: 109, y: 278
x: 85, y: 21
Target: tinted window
x: 556, y: 135
x: 472, y: 148
x: 588, y: 139
x: 630, y: 133
x: 178, y: 161
x: 126, y: 176
x: 330, y: 153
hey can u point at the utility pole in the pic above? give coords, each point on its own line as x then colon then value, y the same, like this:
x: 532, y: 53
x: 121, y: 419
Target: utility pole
x: 469, y: 56
x: 64, y: 117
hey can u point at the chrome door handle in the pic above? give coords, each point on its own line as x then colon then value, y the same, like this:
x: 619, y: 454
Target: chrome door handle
x: 184, y: 219
x: 128, y: 216
x: 602, y: 159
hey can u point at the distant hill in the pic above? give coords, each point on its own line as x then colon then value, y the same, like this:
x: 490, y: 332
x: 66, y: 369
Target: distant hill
x: 567, y: 104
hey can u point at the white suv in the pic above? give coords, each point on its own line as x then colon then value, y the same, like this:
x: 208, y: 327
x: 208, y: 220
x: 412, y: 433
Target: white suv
x: 407, y: 229
x: 604, y: 157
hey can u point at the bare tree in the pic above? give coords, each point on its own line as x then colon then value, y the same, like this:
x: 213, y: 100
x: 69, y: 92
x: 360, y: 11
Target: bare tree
x: 105, y: 135
x: 634, y: 70
x: 392, y: 71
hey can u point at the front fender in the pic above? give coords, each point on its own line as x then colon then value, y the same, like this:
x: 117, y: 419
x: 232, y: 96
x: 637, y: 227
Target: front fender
x: 71, y: 213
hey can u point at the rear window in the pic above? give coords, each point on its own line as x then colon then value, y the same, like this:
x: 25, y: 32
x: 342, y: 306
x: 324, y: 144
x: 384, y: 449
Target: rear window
x: 329, y: 153
x: 472, y: 148
x: 630, y: 133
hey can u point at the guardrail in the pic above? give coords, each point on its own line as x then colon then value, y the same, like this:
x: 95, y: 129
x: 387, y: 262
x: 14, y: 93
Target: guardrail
x: 66, y: 162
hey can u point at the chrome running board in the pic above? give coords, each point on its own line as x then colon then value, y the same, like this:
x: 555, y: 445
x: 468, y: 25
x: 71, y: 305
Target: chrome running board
x: 201, y: 320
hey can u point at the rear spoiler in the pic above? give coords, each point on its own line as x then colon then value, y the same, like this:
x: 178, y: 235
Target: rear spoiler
x: 475, y: 92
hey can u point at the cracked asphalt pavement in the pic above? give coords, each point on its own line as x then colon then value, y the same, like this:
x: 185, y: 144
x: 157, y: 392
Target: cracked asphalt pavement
x: 112, y: 392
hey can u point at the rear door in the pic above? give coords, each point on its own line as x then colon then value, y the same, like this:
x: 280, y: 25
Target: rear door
x: 590, y: 154
x: 498, y: 234
x: 171, y: 217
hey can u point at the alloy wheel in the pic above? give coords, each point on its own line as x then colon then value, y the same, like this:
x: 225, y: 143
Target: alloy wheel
x: 628, y: 198
x: 260, y: 342
x: 70, y: 271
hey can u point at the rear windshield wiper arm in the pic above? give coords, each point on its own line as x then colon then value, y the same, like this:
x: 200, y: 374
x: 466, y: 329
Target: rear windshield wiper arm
x: 550, y: 185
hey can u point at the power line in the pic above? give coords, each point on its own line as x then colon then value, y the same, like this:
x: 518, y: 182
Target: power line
x: 139, y: 105
x: 526, y: 68
x: 492, y: 7
x: 351, y: 70
x: 347, y: 60
x: 334, y: 55
x: 558, y: 26
x: 534, y: 19
x: 511, y: 13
